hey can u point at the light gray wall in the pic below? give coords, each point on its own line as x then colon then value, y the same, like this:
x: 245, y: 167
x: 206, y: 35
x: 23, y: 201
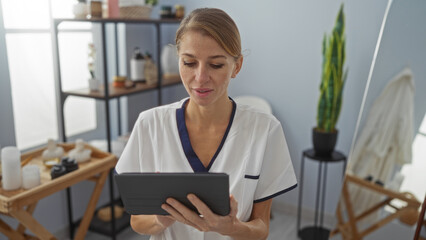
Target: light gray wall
x: 282, y: 49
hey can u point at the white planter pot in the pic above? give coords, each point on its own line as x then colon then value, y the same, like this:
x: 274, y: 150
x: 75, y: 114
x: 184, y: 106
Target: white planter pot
x: 94, y: 84
x: 169, y: 60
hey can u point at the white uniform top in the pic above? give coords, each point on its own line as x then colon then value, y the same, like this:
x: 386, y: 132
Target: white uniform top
x: 253, y: 152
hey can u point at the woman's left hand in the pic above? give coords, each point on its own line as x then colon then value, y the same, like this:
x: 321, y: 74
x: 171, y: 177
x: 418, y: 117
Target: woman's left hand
x: 209, y: 221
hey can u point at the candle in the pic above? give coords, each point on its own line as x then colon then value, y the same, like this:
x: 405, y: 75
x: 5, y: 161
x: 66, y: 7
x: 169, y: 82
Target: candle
x: 30, y: 176
x: 11, y: 168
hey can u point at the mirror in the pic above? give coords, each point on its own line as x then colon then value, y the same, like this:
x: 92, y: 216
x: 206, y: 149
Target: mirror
x: 384, y: 182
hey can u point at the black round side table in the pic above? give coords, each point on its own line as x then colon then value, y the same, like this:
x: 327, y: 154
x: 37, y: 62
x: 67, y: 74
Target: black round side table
x: 317, y: 232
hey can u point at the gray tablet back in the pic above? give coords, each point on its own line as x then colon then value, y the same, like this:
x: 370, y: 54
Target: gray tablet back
x: 143, y: 193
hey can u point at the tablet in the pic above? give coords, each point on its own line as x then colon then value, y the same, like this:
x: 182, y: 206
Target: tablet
x: 144, y: 193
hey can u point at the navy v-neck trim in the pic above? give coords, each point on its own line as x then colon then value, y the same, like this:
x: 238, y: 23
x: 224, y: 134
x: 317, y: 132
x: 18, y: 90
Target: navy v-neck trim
x: 190, y: 154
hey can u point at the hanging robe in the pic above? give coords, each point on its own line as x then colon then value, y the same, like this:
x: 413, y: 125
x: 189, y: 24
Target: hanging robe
x: 385, y: 141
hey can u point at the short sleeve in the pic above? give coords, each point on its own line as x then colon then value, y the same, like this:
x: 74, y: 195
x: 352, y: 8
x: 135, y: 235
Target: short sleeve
x: 129, y: 160
x: 277, y: 174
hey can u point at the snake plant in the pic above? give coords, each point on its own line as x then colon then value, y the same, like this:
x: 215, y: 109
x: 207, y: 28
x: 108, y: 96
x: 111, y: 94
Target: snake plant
x: 333, y: 76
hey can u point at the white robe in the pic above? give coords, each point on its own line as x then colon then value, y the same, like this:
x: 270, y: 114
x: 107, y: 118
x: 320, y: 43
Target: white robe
x: 386, y: 139
x: 387, y: 136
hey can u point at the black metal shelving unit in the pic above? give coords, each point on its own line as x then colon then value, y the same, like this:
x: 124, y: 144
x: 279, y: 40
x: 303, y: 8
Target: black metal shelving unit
x: 106, y: 94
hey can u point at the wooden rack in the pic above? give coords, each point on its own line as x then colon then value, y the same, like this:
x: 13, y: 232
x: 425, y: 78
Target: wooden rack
x: 20, y: 204
x: 349, y: 229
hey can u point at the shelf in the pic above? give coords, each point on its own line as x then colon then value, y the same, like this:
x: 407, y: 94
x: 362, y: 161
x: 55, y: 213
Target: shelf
x: 117, y: 20
x: 119, y: 92
x: 104, y: 95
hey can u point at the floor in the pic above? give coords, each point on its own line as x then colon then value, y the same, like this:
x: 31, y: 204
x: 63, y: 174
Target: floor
x: 282, y: 227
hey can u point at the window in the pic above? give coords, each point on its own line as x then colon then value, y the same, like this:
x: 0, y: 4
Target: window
x: 29, y: 48
x: 414, y: 173
x: 79, y: 112
x: 26, y: 14
x: 33, y: 93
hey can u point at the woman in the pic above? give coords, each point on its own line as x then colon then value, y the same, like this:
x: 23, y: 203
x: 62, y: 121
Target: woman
x: 208, y: 132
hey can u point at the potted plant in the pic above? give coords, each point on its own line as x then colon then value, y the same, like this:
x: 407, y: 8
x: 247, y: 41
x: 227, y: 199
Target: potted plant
x: 151, y: 2
x: 93, y: 82
x: 331, y: 88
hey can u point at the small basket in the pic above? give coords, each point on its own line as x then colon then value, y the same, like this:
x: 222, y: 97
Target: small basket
x: 135, y: 12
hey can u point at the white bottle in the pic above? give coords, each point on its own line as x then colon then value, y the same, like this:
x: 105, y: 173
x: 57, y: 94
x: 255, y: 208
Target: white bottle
x: 11, y: 168
x: 136, y: 66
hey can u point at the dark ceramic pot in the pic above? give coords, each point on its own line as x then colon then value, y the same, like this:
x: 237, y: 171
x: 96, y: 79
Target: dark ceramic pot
x: 324, y: 142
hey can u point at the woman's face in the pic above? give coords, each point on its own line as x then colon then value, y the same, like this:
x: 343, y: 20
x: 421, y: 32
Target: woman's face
x: 205, y: 68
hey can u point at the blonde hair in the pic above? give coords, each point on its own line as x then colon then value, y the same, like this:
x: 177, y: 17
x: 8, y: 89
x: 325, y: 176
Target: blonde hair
x: 217, y: 24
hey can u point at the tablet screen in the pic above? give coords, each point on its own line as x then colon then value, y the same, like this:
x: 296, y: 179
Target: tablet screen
x: 144, y: 193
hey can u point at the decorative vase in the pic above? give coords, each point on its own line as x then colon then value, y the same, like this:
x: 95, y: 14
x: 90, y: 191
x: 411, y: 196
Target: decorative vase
x: 150, y: 71
x: 80, y: 9
x: 113, y: 9
x: 96, y: 9
x: 324, y: 142
x: 94, y: 84
x: 169, y: 60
